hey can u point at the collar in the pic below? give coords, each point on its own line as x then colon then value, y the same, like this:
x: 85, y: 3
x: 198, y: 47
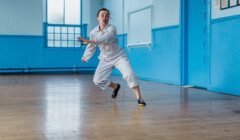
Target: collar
x: 99, y: 30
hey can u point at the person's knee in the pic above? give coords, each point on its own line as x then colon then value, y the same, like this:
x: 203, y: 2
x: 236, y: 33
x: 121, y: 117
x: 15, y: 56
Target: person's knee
x: 99, y: 82
x: 131, y: 80
x: 103, y: 84
x: 96, y: 81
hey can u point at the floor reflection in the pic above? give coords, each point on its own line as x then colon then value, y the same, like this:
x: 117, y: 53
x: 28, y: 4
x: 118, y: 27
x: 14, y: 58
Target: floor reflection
x: 184, y: 101
x: 134, y: 113
x: 63, y: 111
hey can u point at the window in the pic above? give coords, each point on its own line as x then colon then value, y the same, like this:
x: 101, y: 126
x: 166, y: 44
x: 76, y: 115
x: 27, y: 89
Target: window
x: 64, y: 35
x: 64, y: 23
x: 225, y: 4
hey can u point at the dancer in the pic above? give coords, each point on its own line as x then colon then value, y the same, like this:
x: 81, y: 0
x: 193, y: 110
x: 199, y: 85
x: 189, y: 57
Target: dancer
x: 111, y: 55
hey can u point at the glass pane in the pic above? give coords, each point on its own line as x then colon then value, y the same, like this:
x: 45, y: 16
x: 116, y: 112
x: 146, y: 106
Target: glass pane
x: 50, y: 36
x: 57, y: 43
x: 224, y: 3
x: 50, y: 30
x: 55, y: 11
x: 50, y: 44
x: 71, y: 37
x: 70, y: 30
x: 64, y: 43
x: 233, y: 2
x: 72, y: 11
x: 71, y: 43
x: 57, y: 36
x: 77, y: 44
x: 64, y: 29
x: 77, y: 30
x: 76, y: 36
x: 57, y: 30
x: 64, y: 37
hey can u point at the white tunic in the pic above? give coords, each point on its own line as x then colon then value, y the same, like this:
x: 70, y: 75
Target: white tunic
x: 111, y: 56
x: 107, y: 42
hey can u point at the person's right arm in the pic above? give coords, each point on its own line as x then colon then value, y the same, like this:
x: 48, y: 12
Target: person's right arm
x: 90, y: 50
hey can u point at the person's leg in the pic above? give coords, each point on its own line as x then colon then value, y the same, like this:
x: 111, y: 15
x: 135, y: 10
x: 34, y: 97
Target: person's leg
x: 102, y: 73
x: 125, y: 68
x: 136, y: 91
x: 113, y: 85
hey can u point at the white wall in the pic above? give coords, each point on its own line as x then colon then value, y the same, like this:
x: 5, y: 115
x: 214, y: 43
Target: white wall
x: 217, y: 13
x: 116, y: 16
x: 133, y: 5
x: 165, y: 12
x: 90, y: 9
x: 21, y: 17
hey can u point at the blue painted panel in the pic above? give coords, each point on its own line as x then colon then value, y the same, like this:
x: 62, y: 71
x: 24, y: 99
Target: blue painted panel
x: 29, y: 52
x: 67, y: 57
x: 197, y: 45
x: 225, y: 52
x: 21, y: 51
x: 161, y: 62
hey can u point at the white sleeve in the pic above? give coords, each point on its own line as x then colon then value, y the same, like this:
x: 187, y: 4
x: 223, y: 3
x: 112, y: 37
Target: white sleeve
x: 90, y: 50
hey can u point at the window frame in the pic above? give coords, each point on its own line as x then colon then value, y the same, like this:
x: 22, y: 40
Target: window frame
x: 82, y: 31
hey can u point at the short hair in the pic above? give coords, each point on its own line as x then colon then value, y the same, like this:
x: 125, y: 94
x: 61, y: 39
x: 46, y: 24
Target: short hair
x: 103, y: 9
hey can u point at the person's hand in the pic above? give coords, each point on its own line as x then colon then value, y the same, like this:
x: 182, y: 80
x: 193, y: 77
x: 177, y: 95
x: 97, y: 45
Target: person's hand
x: 83, y: 60
x: 83, y: 40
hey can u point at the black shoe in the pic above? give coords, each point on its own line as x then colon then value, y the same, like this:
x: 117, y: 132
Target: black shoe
x: 141, y: 102
x: 115, y: 91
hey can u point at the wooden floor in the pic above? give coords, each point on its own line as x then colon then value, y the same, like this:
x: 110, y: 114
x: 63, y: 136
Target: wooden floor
x: 70, y: 107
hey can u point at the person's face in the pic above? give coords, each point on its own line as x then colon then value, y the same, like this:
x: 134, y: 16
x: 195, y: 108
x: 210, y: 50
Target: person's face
x: 103, y: 17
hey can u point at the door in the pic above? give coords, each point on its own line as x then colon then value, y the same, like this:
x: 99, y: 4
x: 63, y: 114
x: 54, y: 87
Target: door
x: 197, y: 43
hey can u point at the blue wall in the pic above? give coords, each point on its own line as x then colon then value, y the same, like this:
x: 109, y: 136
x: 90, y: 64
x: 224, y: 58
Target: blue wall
x: 18, y: 53
x: 225, y: 55
x: 161, y: 62
x: 21, y: 51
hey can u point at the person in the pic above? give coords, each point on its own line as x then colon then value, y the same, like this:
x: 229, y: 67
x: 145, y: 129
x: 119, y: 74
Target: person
x: 111, y: 55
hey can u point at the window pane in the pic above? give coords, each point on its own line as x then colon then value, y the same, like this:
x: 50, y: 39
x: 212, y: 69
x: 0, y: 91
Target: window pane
x: 233, y: 2
x: 50, y: 37
x: 70, y: 30
x: 55, y: 11
x: 72, y: 12
x: 57, y: 43
x: 50, y: 43
x: 57, y: 36
x: 77, y: 30
x: 224, y: 3
x: 64, y: 43
x: 77, y: 44
x: 76, y: 36
x: 71, y: 43
x: 50, y: 30
x: 70, y: 36
x: 64, y: 29
x: 64, y: 36
x: 57, y: 30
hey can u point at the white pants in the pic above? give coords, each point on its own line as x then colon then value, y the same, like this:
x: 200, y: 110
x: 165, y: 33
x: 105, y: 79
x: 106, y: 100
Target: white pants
x: 104, y: 70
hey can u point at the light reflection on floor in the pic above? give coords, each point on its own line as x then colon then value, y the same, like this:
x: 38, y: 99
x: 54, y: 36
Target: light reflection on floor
x: 63, y: 108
